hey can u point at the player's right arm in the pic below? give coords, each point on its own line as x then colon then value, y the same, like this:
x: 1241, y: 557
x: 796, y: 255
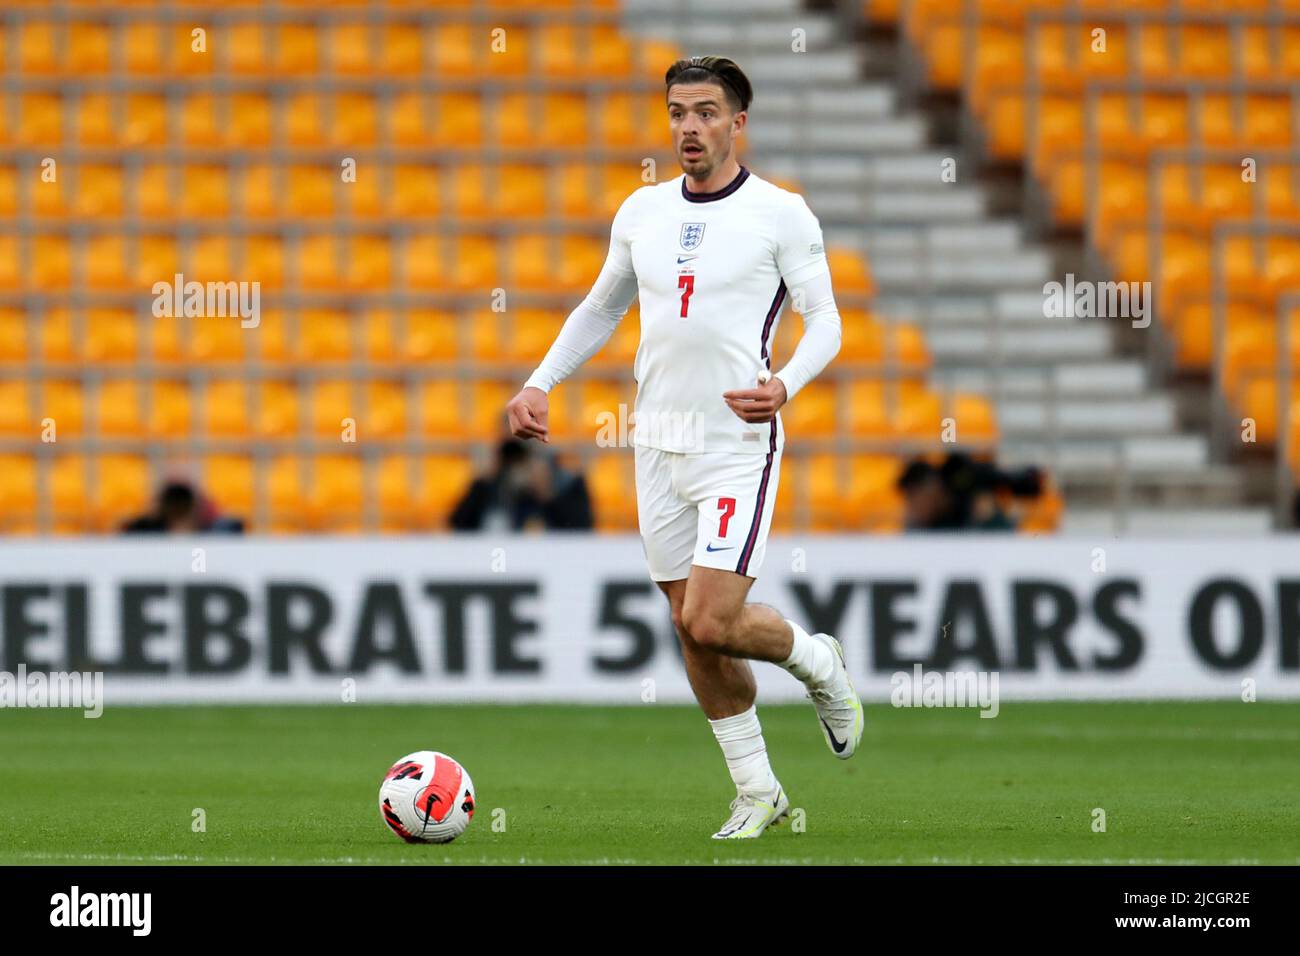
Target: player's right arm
x: 583, y: 334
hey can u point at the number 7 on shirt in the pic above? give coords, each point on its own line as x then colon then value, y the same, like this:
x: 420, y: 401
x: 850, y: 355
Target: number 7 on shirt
x: 687, y: 284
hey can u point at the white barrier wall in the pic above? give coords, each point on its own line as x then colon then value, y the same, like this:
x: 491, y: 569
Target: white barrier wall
x: 577, y: 618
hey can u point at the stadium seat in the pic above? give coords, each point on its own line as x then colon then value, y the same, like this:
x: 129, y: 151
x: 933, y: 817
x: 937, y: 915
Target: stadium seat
x: 418, y: 335
x: 117, y: 406
x: 445, y: 480
x: 813, y: 412
x: 920, y: 413
x: 13, y: 335
x: 602, y: 406
x: 296, y: 49
x: 142, y: 43
x: 402, y: 48
x: 62, y: 404
x: 15, y: 409
x: 286, y: 479
x: 18, y: 494
x: 415, y: 191
x: 611, y: 484
x: 200, y: 125
x: 868, y: 409
x: 229, y: 480
x: 69, y: 495
x: 337, y: 494
x: 122, y: 488
x: 441, y: 412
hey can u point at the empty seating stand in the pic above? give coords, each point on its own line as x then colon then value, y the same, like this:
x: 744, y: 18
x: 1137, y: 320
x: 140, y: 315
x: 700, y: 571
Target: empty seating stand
x: 379, y: 171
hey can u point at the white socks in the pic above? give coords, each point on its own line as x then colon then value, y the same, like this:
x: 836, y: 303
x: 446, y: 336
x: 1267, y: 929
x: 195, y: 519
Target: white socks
x: 810, y: 660
x: 741, y: 739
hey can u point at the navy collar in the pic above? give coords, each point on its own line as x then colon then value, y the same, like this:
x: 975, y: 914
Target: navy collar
x: 722, y: 193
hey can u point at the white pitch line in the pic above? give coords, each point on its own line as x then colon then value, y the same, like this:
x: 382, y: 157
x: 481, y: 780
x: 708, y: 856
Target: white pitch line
x: 1074, y: 733
x: 609, y: 861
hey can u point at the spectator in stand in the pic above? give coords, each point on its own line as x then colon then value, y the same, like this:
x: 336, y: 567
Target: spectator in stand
x: 926, y: 502
x: 524, y: 491
x: 181, y: 510
x: 963, y: 494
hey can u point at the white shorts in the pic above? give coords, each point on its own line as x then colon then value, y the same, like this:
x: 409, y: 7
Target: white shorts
x: 713, y: 509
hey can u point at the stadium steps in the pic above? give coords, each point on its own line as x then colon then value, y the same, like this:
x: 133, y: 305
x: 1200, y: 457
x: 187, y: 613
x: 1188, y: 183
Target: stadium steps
x: 800, y: 132
x: 1102, y: 457
x: 1107, y: 378
x: 1154, y: 414
x: 1044, y: 342
x: 1179, y: 522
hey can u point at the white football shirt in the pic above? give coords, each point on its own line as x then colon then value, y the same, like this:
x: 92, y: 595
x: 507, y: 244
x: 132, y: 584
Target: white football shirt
x: 713, y: 272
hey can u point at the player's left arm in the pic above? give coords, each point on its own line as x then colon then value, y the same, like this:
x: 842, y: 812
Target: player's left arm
x: 801, y: 259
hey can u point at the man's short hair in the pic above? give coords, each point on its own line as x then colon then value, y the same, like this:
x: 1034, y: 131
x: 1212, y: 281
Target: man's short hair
x: 713, y: 69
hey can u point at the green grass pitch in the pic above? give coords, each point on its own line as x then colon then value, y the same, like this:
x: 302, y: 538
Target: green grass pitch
x: 1192, y: 782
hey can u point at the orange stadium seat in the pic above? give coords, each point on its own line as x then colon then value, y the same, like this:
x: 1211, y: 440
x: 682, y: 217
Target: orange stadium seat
x: 18, y: 494
x: 286, y: 492
x: 101, y: 191
x: 170, y: 412
x: 250, y: 121
x: 920, y: 412
x: 50, y: 198
x: 334, y: 407
x: 974, y: 417
x: 418, y: 335
x: 454, y: 52
x: 230, y: 481
x: 612, y: 487
x: 121, y: 489
x: 415, y: 191
x: 601, y: 406
x: 337, y: 494
x: 868, y: 409
x: 10, y: 277
x: 14, y: 332
x: 488, y: 406
x: 310, y: 191
x: 446, y: 478
x: 51, y: 262
x: 385, y: 409
x: 218, y: 339
x: 15, y: 409
x: 402, y: 48
x: 117, y: 407
x: 531, y: 333
x: 69, y: 497
x: 296, y: 49
x: 813, y: 412
x: 457, y: 120
x: 142, y: 44
x: 40, y: 120
x: 8, y: 191
x: 184, y: 54
x: 324, y: 335
x: 441, y: 412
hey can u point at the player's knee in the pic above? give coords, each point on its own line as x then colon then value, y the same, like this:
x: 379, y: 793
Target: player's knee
x: 689, y: 646
x: 706, y: 628
x: 679, y: 624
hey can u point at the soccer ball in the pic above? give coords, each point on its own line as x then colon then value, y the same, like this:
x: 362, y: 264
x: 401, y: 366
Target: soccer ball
x: 427, y: 797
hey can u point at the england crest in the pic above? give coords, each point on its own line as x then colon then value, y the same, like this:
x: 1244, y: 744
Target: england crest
x: 692, y: 235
